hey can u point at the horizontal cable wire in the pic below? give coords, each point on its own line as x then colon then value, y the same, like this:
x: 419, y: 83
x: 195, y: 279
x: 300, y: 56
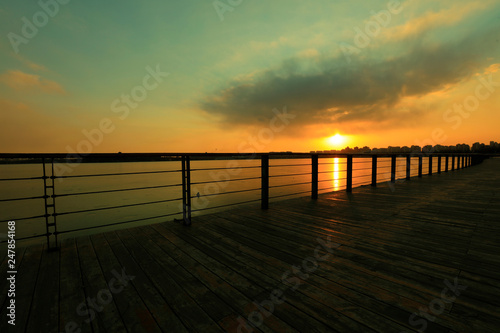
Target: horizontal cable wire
x: 278, y: 186
x: 223, y: 193
x: 226, y: 168
x: 123, y: 222
x: 290, y: 175
x: 287, y: 195
x: 227, y: 205
x: 117, y: 190
x: 26, y: 198
x: 116, y: 207
x: 223, y: 181
x: 18, y: 179
x: 289, y: 165
x: 115, y: 174
x: 24, y: 218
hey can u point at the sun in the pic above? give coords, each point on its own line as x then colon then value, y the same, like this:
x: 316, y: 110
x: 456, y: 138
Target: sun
x: 337, y: 140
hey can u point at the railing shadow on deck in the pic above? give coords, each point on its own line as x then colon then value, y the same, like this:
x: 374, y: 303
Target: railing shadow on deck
x: 55, y: 166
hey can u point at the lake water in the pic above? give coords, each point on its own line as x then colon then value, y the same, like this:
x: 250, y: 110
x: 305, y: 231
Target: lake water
x: 216, y: 187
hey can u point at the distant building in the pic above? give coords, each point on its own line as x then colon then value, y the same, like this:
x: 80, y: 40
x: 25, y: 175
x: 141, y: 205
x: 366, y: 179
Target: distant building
x: 428, y: 149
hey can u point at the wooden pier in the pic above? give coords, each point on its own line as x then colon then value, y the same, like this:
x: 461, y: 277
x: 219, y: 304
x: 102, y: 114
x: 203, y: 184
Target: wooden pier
x: 364, y: 261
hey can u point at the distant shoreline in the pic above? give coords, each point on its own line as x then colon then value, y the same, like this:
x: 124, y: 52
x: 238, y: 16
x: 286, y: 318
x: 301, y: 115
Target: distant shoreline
x: 6, y: 159
x: 128, y: 159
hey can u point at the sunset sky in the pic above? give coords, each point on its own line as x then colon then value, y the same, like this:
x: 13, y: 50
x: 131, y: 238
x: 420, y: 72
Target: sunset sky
x: 205, y: 76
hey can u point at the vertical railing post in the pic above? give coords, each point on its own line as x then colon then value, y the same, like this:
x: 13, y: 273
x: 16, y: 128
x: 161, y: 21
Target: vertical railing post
x: 50, y: 203
x: 408, y: 167
x: 393, y: 168
x: 463, y: 161
x: 439, y: 164
x: 314, y: 176
x: 45, y: 198
x: 374, y: 170
x: 430, y: 165
x: 447, y: 163
x: 264, y: 168
x: 186, y: 190
x: 452, y: 162
x: 420, y: 165
x: 349, y: 174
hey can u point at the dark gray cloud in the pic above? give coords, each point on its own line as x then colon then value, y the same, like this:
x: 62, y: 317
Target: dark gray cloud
x: 367, y: 88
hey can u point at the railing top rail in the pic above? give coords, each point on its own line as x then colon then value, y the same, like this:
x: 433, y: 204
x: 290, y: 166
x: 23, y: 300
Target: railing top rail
x: 128, y: 156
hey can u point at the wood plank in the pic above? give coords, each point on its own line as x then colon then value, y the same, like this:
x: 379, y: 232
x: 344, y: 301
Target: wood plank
x: 311, y: 301
x: 72, y: 292
x: 229, y: 286
x: 160, y: 309
x: 121, y: 280
x: 332, y: 278
x: 103, y: 317
x: 185, y: 307
x: 44, y: 314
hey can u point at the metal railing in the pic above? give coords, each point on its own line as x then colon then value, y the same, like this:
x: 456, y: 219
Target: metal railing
x: 309, y: 183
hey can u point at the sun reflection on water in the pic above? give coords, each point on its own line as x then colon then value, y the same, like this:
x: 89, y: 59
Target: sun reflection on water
x: 336, y: 174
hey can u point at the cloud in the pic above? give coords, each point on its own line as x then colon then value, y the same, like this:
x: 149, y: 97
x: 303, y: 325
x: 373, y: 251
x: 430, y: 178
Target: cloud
x: 492, y: 69
x: 309, y: 53
x: 372, y: 88
x: 262, y: 46
x: 21, y: 81
x: 30, y: 64
x: 432, y: 20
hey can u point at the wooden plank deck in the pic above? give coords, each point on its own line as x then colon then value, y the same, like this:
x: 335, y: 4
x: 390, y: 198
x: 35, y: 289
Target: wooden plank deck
x: 360, y: 262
